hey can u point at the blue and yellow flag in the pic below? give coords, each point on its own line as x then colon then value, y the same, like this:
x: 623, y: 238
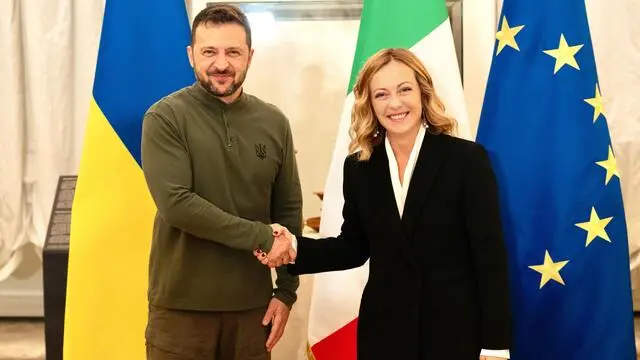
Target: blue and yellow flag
x: 142, y: 57
x: 545, y: 127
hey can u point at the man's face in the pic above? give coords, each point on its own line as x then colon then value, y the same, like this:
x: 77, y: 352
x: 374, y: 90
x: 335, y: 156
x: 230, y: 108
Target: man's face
x: 220, y: 58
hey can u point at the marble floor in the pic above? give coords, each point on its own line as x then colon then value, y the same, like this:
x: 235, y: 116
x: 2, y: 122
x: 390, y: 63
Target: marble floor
x: 22, y: 339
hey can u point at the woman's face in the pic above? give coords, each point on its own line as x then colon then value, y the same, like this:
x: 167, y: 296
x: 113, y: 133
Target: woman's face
x: 396, y: 100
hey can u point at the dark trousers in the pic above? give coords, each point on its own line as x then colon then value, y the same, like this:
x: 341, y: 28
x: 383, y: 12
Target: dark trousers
x: 196, y: 335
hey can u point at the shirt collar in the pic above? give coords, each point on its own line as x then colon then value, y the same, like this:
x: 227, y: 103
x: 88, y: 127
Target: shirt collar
x: 213, y: 101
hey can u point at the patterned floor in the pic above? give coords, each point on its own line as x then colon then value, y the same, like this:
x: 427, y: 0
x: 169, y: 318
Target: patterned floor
x: 21, y: 339
x: 24, y: 339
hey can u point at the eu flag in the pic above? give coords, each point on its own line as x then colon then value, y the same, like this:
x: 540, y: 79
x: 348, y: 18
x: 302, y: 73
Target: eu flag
x: 545, y: 128
x: 142, y: 57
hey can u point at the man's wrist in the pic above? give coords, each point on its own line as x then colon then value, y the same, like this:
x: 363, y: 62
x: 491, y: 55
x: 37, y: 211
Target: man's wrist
x: 267, y: 238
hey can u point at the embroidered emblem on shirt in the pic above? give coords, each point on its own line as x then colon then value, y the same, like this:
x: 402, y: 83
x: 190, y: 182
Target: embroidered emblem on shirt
x: 261, y: 151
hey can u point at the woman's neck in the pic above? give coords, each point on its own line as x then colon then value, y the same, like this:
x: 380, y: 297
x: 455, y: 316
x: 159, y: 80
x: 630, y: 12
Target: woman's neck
x: 402, y: 145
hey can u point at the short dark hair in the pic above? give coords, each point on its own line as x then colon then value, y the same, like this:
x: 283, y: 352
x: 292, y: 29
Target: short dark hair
x: 220, y: 13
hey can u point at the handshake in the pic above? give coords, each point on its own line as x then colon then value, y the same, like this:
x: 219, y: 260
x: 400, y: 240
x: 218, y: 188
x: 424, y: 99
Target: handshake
x: 283, y: 250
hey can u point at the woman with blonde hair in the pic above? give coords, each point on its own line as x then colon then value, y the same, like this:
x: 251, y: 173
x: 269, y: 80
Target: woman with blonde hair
x: 422, y: 206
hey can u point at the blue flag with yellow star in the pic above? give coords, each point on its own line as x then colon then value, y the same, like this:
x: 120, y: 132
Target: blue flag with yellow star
x: 545, y: 128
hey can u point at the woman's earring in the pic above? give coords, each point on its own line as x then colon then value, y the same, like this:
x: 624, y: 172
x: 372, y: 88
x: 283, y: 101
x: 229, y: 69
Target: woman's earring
x: 375, y: 134
x: 425, y: 124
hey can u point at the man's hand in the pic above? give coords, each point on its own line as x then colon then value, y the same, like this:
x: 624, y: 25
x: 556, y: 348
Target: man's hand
x: 277, y: 314
x: 490, y: 358
x: 282, y: 251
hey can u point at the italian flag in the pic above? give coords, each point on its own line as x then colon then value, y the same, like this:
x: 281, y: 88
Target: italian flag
x: 422, y: 26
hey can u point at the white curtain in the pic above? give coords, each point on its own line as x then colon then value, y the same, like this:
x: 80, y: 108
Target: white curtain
x: 48, y: 53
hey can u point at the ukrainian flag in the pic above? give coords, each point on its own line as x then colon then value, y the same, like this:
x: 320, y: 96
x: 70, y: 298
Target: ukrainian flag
x: 142, y: 57
x: 545, y: 127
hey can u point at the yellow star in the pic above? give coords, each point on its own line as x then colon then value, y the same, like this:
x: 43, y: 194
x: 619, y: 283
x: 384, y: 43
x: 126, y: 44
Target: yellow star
x: 595, y: 227
x: 596, y: 102
x: 507, y: 35
x: 564, y: 54
x: 610, y: 165
x: 549, y: 270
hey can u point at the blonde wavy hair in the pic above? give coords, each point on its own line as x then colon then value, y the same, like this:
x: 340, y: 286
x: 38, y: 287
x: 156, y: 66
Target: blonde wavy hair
x: 364, y: 124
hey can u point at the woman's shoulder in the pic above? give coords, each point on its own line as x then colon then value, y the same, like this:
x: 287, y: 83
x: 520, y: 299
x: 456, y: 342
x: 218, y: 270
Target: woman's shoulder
x: 352, y: 162
x: 460, y: 147
x: 355, y: 167
x: 352, y: 159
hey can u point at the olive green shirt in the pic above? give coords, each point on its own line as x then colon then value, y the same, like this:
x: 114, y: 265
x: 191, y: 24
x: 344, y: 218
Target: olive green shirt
x: 219, y: 175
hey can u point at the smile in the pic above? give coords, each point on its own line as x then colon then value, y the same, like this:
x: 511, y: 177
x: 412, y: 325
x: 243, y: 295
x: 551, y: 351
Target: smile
x: 398, y: 117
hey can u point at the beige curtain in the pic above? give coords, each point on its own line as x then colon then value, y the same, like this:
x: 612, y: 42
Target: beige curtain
x: 46, y: 69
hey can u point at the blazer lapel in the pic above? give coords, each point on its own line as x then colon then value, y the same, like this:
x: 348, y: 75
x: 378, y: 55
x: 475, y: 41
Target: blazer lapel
x: 381, y: 181
x: 423, y: 178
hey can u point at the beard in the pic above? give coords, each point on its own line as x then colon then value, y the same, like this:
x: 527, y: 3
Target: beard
x: 210, y: 86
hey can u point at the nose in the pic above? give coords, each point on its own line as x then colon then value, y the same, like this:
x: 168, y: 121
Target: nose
x: 394, y: 102
x: 221, y: 62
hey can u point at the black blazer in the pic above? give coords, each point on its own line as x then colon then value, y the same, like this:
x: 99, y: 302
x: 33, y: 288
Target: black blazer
x: 438, y: 282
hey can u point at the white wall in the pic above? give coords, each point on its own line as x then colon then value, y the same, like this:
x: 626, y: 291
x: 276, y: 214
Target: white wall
x: 482, y: 17
x: 300, y: 67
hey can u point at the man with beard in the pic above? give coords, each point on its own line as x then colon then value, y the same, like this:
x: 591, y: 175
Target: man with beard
x: 220, y: 166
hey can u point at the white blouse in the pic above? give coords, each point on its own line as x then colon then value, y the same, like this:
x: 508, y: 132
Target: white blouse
x: 400, y: 189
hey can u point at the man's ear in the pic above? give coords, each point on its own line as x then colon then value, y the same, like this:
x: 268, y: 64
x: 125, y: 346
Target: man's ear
x: 250, y: 57
x: 190, y: 55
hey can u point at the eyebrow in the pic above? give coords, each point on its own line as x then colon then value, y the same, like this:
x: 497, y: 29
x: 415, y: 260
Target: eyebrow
x: 402, y: 83
x: 214, y: 48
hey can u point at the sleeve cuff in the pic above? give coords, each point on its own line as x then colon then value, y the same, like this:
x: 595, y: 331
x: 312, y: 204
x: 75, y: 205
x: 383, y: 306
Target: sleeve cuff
x: 285, y: 297
x: 496, y: 353
x: 294, y: 245
x: 266, y: 239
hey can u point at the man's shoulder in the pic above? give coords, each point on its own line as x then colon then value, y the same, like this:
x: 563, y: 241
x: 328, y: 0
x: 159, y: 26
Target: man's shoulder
x: 171, y: 102
x: 269, y: 111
